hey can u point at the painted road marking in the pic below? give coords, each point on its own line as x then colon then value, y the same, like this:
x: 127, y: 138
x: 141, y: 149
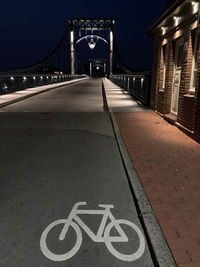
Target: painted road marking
x: 103, y: 235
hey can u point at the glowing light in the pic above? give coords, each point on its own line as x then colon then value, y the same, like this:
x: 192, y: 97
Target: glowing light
x: 164, y: 29
x: 177, y: 20
x: 111, y: 36
x: 72, y: 36
x: 195, y: 6
x: 24, y: 78
x: 34, y: 78
x: 92, y: 43
x: 12, y: 78
x: 41, y: 77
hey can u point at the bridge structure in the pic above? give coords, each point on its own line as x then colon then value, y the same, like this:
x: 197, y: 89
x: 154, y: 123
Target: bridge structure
x: 65, y: 56
x: 63, y: 63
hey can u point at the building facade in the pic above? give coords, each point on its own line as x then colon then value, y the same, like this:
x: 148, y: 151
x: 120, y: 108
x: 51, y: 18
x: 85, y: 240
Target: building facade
x: 175, y: 91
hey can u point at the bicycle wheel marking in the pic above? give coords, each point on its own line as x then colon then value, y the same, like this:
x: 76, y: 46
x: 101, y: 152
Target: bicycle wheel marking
x: 125, y: 257
x: 56, y: 257
x: 102, y: 236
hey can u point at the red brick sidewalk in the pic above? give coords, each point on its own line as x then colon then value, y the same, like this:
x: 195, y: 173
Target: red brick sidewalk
x: 168, y: 164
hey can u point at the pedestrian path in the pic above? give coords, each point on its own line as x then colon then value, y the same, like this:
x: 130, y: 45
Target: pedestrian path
x: 168, y: 164
x: 120, y: 100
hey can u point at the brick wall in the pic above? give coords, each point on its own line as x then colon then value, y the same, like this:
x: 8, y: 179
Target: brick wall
x: 197, y: 104
x: 189, y: 104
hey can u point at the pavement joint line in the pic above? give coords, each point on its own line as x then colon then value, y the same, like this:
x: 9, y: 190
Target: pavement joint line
x: 158, y: 245
x: 9, y: 102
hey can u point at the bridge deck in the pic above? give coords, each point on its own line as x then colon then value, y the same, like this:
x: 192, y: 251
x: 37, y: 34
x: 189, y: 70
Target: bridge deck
x: 58, y: 148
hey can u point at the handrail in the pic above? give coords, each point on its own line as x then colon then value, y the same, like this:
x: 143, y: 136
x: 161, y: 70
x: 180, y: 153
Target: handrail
x: 136, y: 84
x: 14, y: 82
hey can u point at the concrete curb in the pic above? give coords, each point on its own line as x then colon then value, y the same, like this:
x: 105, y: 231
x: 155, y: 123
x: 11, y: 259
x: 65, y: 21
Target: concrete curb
x: 160, y: 251
x: 6, y: 103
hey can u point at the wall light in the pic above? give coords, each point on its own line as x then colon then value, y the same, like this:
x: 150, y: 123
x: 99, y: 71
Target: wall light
x: 195, y: 6
x: 163, y: 29
x: 177, y: 20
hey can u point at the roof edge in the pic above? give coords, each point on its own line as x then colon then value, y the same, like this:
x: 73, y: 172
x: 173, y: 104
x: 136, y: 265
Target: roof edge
x: 163, y: 15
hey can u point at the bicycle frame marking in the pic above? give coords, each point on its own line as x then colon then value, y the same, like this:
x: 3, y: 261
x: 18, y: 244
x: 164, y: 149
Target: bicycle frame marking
x: 102, y: 235
x: 98, y: 237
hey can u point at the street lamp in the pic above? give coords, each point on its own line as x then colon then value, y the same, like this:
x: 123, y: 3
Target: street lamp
x: 92, y: 42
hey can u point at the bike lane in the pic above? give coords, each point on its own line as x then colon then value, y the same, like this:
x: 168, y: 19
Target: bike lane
x: 63, y: 151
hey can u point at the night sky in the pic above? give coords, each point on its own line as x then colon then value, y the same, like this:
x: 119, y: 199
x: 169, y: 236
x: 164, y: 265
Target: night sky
x: 30, y: 30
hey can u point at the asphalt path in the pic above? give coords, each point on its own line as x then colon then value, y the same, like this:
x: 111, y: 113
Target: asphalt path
x: 58, y: 149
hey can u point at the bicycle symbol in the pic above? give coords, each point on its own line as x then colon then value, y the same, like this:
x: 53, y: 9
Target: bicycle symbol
x: 103, y: 235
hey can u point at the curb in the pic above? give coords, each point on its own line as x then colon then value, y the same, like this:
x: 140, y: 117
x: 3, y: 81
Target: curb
x: 37, y: 93
x: 159, y: 249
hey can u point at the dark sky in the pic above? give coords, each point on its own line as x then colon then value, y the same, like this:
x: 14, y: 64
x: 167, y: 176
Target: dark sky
x: 30, y: 30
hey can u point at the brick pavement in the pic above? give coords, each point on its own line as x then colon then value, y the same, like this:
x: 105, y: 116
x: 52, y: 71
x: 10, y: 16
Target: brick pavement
x: 168, y: 164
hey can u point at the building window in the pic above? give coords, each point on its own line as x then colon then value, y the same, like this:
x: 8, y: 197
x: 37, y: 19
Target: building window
x: 195, y: 50
x: 164, y: 66
x: 179, y: 56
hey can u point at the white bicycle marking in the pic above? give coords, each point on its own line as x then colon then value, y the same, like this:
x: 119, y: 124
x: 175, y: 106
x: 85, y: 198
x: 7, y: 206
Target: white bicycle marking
x: 103, y: 234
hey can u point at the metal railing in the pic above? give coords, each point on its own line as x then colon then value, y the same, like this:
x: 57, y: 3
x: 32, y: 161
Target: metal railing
x: 10, y: 83
x: 138, y: 85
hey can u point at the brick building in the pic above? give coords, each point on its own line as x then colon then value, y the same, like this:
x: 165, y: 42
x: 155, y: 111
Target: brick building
x: 175, y: 92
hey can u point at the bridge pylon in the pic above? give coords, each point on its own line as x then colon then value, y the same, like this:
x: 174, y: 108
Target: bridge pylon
x: 91, y: 29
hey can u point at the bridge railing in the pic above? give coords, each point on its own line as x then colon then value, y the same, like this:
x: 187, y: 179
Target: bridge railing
x: 138, y: 85
x: 14, y: 82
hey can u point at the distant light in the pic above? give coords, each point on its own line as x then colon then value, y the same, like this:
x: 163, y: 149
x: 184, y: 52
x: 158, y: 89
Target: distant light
x: 24, y: 78
x: 142, y: 82
x: 41, y: 77
x: 34, y: 78
x: 72, y: 36
x: 111, y: 36
x: 92, y: 45
x: 12, y: 78
x: 98, y: 67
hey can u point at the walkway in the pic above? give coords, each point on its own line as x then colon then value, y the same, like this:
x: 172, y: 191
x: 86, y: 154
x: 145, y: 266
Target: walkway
x: 168, y: 164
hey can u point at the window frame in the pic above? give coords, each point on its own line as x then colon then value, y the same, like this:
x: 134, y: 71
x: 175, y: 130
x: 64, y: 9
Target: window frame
x: 164, y: 48
x: 195, y: 51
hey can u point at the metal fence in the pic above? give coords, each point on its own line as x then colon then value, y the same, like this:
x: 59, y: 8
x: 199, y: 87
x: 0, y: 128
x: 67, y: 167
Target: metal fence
x: 137, y: 85
x: 10, y: 83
